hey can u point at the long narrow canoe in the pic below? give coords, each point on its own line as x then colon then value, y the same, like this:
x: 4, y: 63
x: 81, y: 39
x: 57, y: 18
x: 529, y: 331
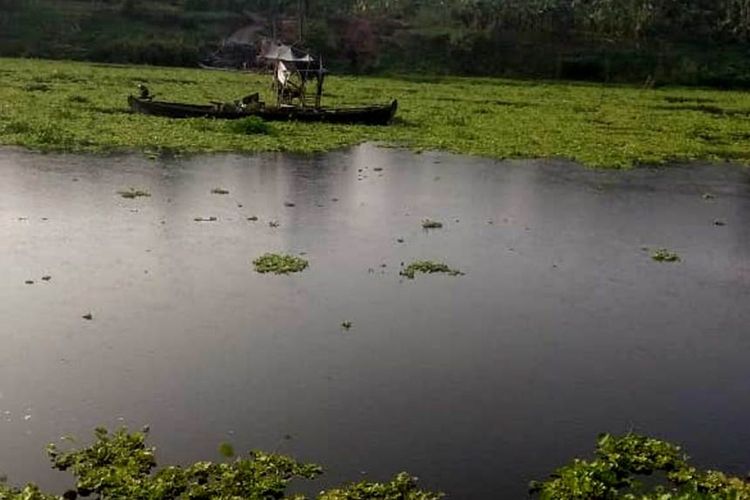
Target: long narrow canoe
x: 368, y: 115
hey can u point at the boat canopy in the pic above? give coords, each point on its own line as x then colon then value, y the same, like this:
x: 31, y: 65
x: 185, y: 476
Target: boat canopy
x: 292, y: 70
x: 285, y: 53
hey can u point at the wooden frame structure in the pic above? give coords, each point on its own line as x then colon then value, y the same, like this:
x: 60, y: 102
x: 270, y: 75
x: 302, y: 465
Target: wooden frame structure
x: 293, y: 70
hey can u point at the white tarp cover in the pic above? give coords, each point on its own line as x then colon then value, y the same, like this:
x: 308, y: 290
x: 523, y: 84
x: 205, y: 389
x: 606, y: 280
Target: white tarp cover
x: 245, y: 36
x: 281, y: 52
x: 282, y: 73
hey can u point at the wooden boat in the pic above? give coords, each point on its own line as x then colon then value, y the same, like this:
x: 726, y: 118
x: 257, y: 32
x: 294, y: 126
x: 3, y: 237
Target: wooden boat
x: 368, y: 115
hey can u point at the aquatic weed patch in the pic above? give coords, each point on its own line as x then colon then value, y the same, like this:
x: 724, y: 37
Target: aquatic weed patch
x: 280, y: 264
x: 428, y: 267
x: 431, y: 224
x: 665, y: 255
x: 252, y: 125
x: 120, y: 465
x: 134, y: 193
x: 622, y: 461
x: 596, y: 125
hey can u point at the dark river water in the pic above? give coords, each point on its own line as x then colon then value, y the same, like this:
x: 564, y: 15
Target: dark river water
x: 561, y: 328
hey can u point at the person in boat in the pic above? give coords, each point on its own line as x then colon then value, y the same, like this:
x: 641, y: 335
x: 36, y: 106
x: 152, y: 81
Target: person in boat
x: 144, y: 93
x: 287, y: 88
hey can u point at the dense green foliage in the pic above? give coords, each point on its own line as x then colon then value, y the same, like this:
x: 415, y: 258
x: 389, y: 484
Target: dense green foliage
x: 150, y: 32
x: 428, y: 267
x: 700, y: 42
x: 119, y: 466
x: 279, y: 264
x: 401, y: 487
x: 620, y: 461
x: 82, y: 107
x: 252, y: 125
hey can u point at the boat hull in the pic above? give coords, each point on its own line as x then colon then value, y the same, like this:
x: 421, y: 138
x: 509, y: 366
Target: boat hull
x: 369, y: 115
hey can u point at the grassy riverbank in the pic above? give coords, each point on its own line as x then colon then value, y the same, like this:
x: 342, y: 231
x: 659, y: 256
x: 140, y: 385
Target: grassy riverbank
x: 52, y: 105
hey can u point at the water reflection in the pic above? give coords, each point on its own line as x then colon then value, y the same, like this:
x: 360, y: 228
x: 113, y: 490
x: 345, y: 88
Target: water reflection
x: 561, y: 328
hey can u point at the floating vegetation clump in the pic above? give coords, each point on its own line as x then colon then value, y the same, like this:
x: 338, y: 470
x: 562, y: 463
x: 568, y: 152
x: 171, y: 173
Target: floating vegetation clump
x: 252, y: 125
x: 431, y: 224
x: 121, y: 465
x: 622, y: 462
x: 226, y: 450
x: 428, y: 267
x: 16, y: 127
x: 279, y: 264
x: 133, y: 193
x: 80, y: 117
x: 664, y: 255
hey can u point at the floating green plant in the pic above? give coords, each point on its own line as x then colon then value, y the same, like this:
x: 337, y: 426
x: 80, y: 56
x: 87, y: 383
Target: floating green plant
x: 491, y: 117
x: 226, y: 450
x: 428, y: 267
x: 279, y: 264
x: 621, y: 462
x: 431, y: 224
x: 122, y: 466
x: 134, y: 193
x: 664, y: 255
x: 252, y: 125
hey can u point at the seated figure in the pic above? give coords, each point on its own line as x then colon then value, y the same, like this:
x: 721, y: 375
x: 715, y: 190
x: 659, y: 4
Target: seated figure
x: 144, y: 92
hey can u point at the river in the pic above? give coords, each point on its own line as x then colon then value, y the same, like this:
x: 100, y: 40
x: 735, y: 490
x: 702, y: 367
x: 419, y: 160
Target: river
x: 561, y: 327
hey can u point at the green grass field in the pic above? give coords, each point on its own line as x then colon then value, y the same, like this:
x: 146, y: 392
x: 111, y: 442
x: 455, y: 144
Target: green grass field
x: 52, y: 105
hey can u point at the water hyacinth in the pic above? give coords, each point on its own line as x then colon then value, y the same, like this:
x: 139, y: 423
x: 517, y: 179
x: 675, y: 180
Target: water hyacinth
x: 279, y: 264
x: 428, y: 267
x: 490, y: 117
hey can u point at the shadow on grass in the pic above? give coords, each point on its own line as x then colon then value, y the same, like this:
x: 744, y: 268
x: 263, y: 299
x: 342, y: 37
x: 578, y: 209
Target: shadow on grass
x: 704, y: 108
x: 402, y: 122
x: 683, y: 100
x: 111, y: 111
x: 493, y: 102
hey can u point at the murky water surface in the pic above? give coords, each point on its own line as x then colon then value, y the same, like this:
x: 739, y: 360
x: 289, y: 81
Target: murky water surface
x: 561, y: 328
